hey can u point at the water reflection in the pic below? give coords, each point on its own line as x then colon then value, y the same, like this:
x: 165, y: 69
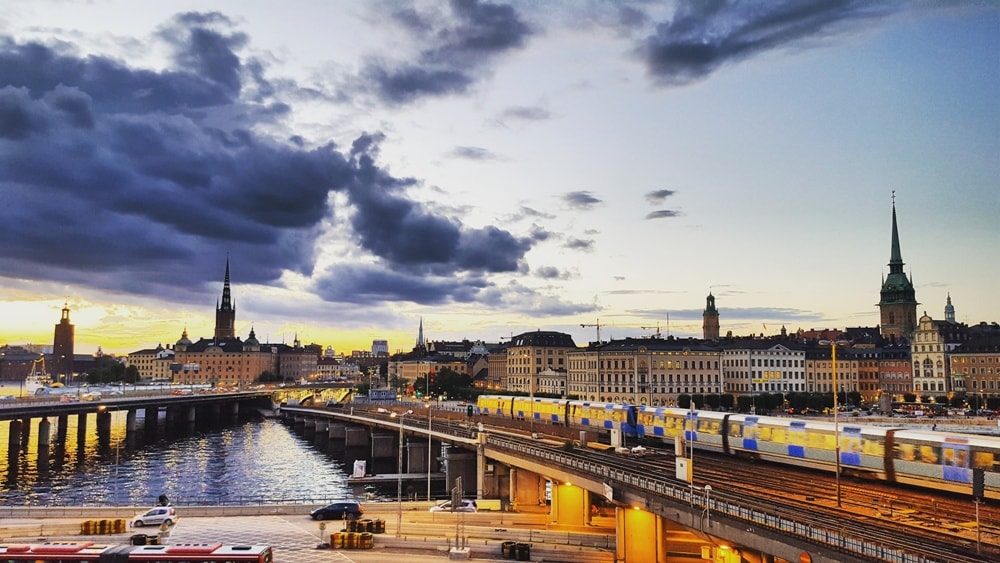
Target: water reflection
x: 256, y: 461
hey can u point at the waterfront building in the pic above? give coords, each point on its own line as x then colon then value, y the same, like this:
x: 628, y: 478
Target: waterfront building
x: 977, y: 363
x: 153, y: 364
x: 645, y: 371
x: 710, y: 319
x: 61, y: 366
x: 751, y: 366
x: 819, y: 369
x: 929, y: 349
x: 531, y: 353
x: 895, y: 371
x: 898, y: 303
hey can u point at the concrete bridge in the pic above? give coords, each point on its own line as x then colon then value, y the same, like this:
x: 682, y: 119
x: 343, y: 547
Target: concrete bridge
x: 657, y: 518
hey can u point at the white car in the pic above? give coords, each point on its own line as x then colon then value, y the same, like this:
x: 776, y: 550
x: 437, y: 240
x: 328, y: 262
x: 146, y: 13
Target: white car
x: 156, y: 516
x: 466, y: 506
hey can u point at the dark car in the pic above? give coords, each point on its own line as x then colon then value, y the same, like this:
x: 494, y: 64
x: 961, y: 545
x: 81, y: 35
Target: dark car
x: 342, y: 510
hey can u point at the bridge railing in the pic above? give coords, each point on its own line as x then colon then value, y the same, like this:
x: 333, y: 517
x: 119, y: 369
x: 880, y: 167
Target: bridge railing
x: 798, y: 526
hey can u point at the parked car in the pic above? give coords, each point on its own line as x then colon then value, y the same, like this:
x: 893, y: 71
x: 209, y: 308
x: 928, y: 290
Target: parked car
x: 156, y: 516
x: 340, y: 510
x: 467, y: 505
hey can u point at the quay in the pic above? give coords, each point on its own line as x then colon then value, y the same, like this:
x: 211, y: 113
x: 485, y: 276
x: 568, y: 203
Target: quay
x: 424, y: 536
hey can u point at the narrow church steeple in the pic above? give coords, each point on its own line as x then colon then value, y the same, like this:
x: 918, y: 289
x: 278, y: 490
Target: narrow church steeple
x: 420, y: 335
x: 225, y: 313
x: 898, y: 305
x: 949, y: 311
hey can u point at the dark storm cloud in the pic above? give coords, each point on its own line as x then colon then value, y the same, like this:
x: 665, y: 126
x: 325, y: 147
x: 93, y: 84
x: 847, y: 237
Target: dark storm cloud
x: 459, y: 45
x: 143, y: 181
x: 581, y: 200
x: 706, y: 34
x: 663, y: 214
x: 658, y: 196
x: 551, y: 273
x: 370, y: 284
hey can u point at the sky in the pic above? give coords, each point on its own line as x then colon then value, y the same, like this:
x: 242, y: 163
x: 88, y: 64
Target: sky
x: 491, y: 168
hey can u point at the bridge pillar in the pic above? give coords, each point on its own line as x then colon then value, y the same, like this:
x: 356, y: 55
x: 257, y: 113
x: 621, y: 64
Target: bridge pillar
x: 527, y: 489
x: 308, y: 428
x: 570, y: 505
x: 461, y: 463
x: 14, y: 444
x: 81, y: 431
x: 131, y: 421
x: 44, y: 434
x: 104, y: 427
x: 640, y: 536
x: 356, y: 436
x: 61, y: 430
x: 150, y: 416
x: 322, y: 435
x: 337, y: 431
x: 384, y: 446
x: 25, y: 433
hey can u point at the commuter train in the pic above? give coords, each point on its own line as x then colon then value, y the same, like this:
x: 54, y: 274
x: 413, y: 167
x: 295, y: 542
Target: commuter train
x: 937, y: 460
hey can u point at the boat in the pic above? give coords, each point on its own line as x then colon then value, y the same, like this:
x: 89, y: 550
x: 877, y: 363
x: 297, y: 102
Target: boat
x: 38, y: 379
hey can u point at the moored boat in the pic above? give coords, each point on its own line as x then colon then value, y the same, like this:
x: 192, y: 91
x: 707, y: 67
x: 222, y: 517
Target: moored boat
x: 38, y: 378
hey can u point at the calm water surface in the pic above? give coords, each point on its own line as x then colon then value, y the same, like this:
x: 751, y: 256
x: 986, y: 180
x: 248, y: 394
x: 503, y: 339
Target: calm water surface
x: 260, y: 461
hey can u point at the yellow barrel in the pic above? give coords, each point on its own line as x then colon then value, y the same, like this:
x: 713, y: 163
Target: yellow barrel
x: 102, y: 526
x: 337, y: 540
x: 86, y: 527
x: 367, y: 541
x: 365, y: 525
x: 352, y: 540
x: 379, y: 526
x: 119, y: 526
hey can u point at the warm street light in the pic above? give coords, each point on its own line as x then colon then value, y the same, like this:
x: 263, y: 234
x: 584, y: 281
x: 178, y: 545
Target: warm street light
x: 836, y: 409
x: 399, y: 473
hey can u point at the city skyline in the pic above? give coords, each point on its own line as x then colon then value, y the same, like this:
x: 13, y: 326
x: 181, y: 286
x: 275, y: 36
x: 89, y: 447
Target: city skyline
x: 491, y: 168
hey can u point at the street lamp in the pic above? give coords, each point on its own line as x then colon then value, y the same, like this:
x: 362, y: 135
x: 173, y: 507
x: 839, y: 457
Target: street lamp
x: 399, y: 473
x: 430, y: 446
x: 836, y: 426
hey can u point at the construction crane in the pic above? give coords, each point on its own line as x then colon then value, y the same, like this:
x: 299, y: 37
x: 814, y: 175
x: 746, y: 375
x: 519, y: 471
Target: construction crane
x: 597, y: 325
x: 657, y: 327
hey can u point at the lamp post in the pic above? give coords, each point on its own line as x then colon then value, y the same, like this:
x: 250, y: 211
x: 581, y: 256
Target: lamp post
x: 836, y: 409
x: 399, y: 474
x: 430, y: 446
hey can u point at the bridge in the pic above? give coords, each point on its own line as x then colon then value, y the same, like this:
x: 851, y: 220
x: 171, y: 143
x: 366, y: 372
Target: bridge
x: 650, y: 507
x: 182, y: 411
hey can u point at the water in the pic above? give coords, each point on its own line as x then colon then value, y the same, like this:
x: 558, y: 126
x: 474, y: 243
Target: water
x: 253, y: 462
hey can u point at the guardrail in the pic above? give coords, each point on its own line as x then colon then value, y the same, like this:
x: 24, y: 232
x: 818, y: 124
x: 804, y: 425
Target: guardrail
x: 786, y: 524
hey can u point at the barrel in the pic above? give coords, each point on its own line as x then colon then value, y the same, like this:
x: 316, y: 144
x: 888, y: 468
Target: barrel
x: 523, y: 551
x: 507, y: 549
x: 379, y: 526
x: 119, y: 526
x: 87, y: 527
x: 352, y: 540
x: 367, y: 540
x: 365, y: 525
x: 337, y: 540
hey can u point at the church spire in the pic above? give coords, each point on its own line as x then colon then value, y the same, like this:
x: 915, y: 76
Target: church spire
x: 895, y: 255
x: 420, y: 335
x: 898, y: 305
x: 225, y: 313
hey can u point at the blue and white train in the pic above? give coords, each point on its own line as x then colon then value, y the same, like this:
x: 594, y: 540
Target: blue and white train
x: 938, y: 460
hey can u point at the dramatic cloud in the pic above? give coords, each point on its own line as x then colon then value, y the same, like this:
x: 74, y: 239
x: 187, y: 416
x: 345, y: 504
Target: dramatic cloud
x: 663, y: 214
x: 581, y: 200
x: 107, y: 170
x: 457, y: 46
x: 704, y: 35
x: 658, y: 196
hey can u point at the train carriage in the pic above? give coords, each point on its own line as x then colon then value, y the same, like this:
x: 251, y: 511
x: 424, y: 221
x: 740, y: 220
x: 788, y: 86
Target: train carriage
x: 808, y: 443
x: 494, y: 405
x: 540, y: 409
x: 944, y: 461
x: 602, y: 416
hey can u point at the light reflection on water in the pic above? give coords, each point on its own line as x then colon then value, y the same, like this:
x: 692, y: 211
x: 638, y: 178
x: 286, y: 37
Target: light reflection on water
x: 251, y: 462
